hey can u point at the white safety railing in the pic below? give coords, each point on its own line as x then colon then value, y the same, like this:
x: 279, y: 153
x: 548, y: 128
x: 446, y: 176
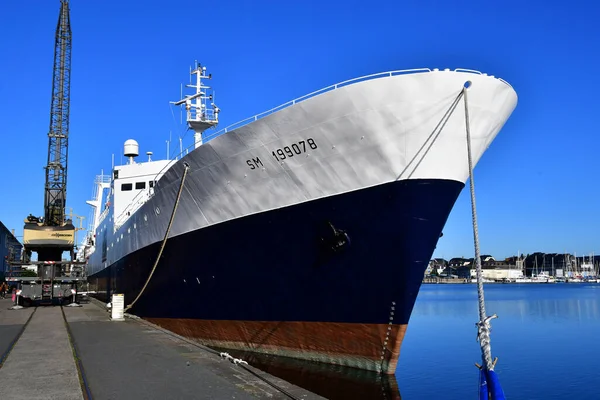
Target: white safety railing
x: 206, y: 115
x: 139, y: 200
x: 97, y: 196
x: 103, y: 215
x: 104, y: 178
x: 472, y: 71
x: 256, y: 117
x: 263, y: 114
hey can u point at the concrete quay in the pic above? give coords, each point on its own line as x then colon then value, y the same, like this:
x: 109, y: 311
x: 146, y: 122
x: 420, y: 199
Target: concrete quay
x: 68, y: 353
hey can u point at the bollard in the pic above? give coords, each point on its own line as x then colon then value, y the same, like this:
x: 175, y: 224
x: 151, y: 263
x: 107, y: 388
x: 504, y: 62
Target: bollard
x: 74, y: 302
x: 118, y: 307
x: 16, y: 306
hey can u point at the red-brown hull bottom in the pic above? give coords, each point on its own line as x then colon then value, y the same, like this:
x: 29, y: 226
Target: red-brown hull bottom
x: 374, y: 347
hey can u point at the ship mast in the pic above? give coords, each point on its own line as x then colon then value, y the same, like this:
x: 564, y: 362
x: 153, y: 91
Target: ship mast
x: 202, y: 113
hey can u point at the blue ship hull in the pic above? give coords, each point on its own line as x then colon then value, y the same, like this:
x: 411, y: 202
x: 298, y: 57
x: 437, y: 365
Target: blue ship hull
x: 286, y: 281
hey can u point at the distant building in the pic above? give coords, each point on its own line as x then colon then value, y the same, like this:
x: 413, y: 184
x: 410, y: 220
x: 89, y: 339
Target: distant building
x: 459, y: 262
x: 492, y: 269
x: 436, y: 267
x: 487, y: 258
x: 499, y: 271
x: 460, y: 267
x: 440, y: 261
x: 10, y: 250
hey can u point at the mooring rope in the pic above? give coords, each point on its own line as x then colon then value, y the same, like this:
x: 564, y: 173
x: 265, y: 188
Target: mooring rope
x: 164, y: 242
x: 483, y: 325
x: 434, y: 134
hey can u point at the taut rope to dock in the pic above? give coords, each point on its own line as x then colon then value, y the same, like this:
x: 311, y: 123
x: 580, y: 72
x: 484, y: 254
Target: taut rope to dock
x: 489, y: 385
x: 164, y: 242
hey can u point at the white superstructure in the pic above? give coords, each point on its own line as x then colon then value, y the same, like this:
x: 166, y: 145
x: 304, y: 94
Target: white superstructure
x: 134, y: 185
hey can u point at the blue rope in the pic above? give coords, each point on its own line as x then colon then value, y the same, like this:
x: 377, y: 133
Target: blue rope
x: 483, y: 386
x: 489, y: 386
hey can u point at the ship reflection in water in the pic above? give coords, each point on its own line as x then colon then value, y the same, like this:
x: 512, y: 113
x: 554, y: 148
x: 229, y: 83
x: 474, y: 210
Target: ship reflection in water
x: 330, y: 381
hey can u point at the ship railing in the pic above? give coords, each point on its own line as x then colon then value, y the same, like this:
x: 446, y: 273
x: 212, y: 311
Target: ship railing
x: 313, y: 94
x: 99, y: 181
x: 102, y: 179
x: 209, y: 136
x: 472, y: 71
x: 103, y: 215
x: 139, y: 200
x: 206, y: 115
x: 336, y: 86
x: 96, y: 195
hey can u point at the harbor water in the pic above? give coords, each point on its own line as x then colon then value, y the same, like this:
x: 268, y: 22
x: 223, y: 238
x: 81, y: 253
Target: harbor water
x: 545, y: 339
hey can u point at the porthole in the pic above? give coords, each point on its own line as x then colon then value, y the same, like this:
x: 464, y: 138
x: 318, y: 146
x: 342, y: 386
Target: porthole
x: 157, y: 210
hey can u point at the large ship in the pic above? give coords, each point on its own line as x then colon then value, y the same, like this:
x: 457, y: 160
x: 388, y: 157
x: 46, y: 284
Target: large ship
x: 303, y: 231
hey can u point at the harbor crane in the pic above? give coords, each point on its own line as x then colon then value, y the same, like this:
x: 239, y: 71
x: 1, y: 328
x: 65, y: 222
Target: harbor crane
x: 53, y: 234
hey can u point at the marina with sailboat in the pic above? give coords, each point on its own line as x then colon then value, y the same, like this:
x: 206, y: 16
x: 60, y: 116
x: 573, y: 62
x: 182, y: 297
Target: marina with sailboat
x: 530, y: 268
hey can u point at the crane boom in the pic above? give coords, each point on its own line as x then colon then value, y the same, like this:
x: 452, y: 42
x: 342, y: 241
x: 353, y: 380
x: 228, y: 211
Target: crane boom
x: 58, y: 135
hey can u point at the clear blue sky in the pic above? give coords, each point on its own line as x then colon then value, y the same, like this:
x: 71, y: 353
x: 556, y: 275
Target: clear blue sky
x: 537, y: 186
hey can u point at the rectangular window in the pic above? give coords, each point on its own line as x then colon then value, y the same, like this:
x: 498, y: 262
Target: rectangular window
x: 140, y: 185
x: 151, y: 183
x: 126, y: 186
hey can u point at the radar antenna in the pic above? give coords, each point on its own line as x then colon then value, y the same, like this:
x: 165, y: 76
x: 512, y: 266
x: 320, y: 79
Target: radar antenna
x: 202, y: 112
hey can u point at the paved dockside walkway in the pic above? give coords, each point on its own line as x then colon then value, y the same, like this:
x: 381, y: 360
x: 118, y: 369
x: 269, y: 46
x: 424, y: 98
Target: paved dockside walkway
x: 41, y: 364
x: 119, y: 360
